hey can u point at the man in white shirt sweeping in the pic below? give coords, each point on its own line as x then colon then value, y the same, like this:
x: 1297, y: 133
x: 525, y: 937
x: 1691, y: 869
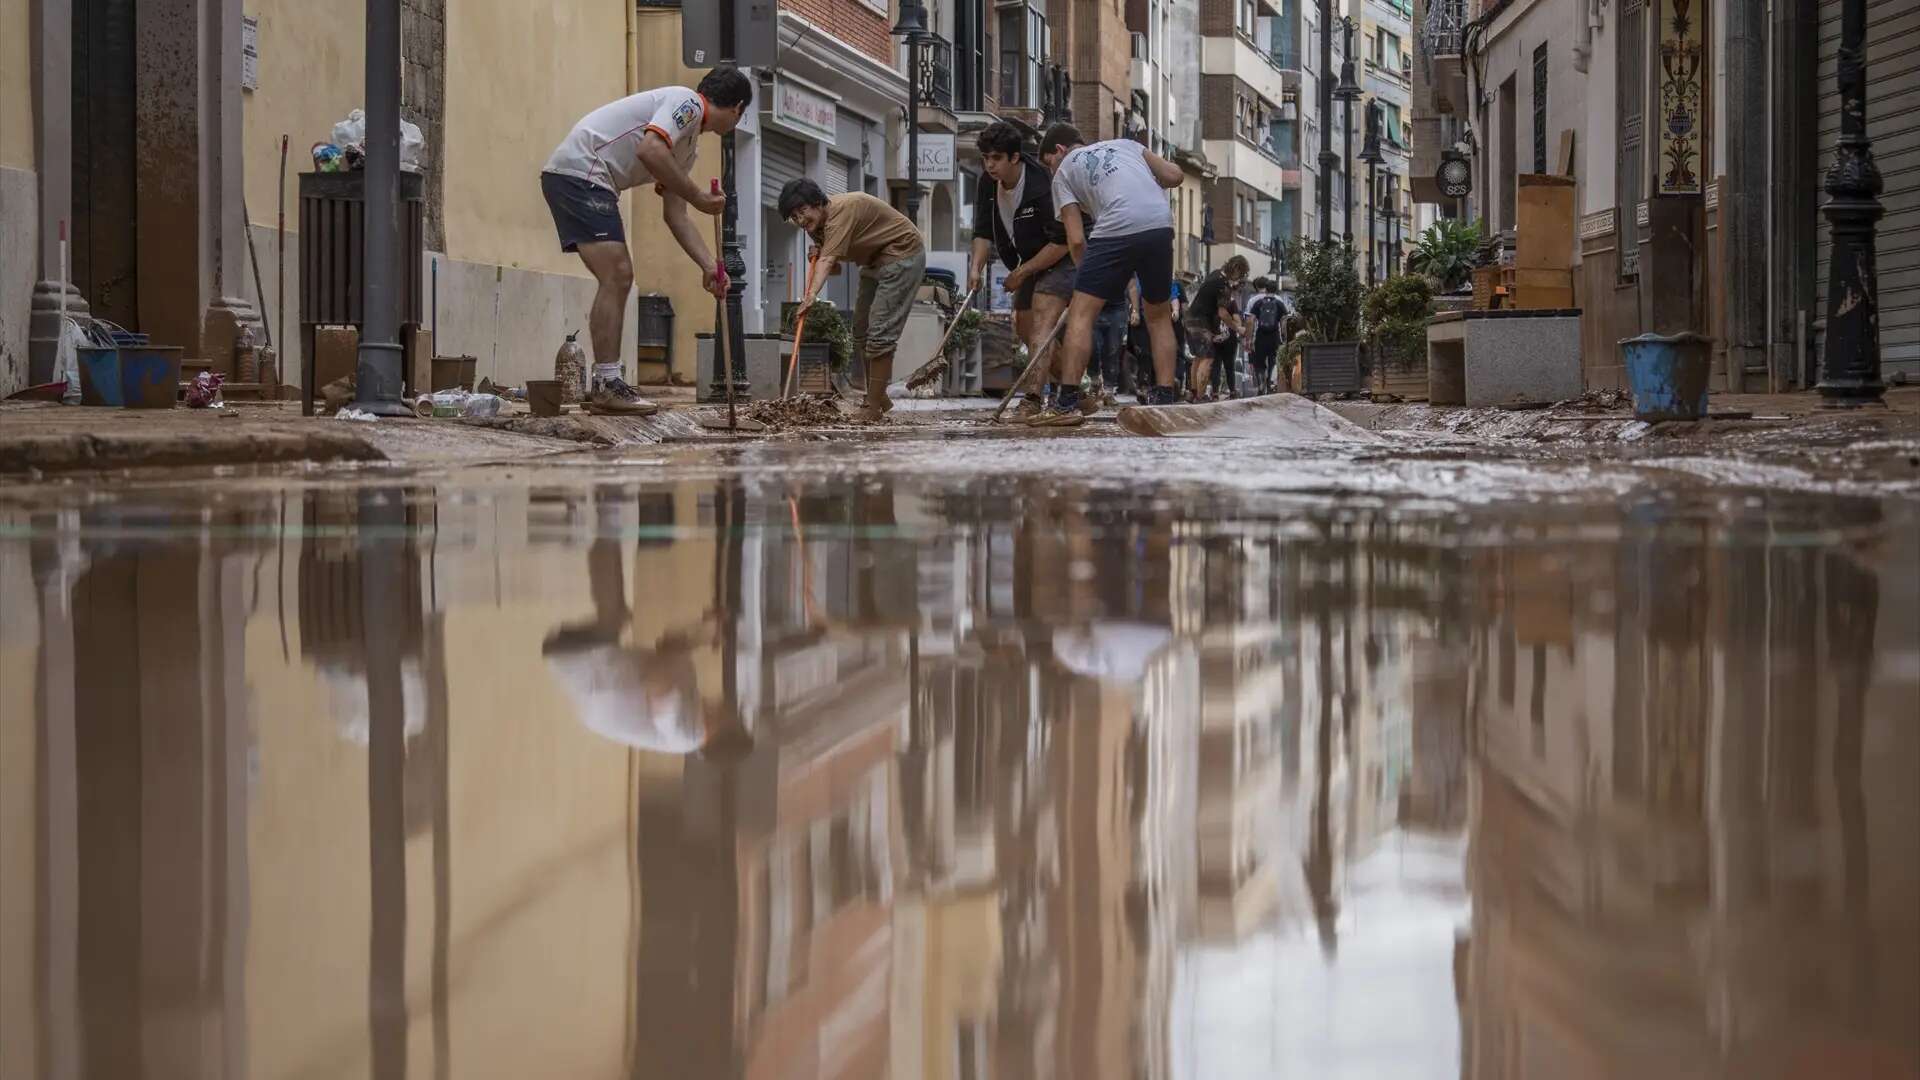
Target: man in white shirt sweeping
x: 647, y: 138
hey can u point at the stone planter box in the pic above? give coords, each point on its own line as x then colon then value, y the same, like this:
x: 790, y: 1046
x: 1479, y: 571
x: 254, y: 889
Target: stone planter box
x: 1486, y: 358
x: 1333, y: 367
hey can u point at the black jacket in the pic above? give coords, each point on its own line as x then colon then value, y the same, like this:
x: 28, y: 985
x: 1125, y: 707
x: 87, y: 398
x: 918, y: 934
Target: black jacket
x: 1034, y: 226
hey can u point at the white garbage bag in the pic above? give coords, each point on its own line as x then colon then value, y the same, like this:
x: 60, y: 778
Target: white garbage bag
x: 66, y: 359
x: 413, y: 143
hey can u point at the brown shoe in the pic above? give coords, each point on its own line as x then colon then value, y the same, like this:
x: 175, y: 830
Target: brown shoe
x: 613, y: 397
x: 1051, y: 417
x: 1027, y: 409
x: 879, y: 370
x: 1089, y: 404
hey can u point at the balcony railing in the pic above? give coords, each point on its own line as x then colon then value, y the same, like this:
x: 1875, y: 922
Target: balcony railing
x: 1285, y: 59
x: 1445, y: 19
x: 936, y: 72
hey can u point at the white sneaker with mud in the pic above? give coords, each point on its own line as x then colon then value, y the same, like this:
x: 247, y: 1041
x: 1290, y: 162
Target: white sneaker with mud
x: 1054, y: 417
x: 613, y: 397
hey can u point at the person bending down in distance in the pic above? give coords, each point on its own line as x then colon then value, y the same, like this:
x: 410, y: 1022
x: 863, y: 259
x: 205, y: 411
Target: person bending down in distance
x: 1121, y: 187
x: 648, y: 138
x: 858, y: 228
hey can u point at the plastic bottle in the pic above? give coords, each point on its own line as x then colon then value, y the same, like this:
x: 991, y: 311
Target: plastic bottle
x: 570, y: 370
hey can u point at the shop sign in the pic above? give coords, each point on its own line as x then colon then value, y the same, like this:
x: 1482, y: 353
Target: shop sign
x: 936, y: 158
x: 804, y: 109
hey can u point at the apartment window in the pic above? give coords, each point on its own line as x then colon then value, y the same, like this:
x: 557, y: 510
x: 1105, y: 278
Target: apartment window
x: 1540, y: 108
x: 1249, y: 15
x: 969, y: 53
x: 1391, y: 113
x: 1023, y: 49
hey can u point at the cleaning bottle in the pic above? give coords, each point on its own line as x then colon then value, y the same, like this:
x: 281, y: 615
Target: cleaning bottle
x: 570, y: 370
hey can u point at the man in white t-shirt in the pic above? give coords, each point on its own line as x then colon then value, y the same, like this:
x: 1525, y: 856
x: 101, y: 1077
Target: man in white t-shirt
x: 647, y: 138
x: 1120, y: 186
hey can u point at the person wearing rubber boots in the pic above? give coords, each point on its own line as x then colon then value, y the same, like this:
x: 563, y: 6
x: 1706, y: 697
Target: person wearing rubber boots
x: 858, y: 228
x: 1111, y: 196
x: 1018, y: 226
x: 647, y: 138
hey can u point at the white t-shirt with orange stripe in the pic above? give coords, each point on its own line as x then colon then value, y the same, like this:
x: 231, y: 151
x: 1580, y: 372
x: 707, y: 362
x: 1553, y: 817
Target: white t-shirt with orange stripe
x: 604, y: 148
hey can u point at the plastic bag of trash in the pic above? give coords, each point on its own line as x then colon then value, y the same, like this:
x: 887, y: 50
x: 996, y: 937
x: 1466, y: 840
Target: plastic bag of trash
x: 351, y: 135
x: 204, y: 390
x: 445, y: 403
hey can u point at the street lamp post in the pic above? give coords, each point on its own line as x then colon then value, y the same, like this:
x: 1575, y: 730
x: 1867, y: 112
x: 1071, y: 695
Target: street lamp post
x: 377, y: 379
x: 1348, y: 92
x: 1850, y: 368
x: 1327, y: 158
x: 732, y: 253
x: 1370, y: 153
x: 911, y: 28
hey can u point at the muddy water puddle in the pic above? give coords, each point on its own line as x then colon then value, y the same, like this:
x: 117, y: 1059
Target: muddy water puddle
x: 839, y: 775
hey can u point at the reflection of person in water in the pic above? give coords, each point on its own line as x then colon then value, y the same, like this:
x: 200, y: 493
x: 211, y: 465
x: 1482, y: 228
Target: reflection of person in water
x: 644, y: 697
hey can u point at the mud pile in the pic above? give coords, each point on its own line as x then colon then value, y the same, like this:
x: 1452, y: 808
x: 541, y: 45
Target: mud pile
x: 801, y: 411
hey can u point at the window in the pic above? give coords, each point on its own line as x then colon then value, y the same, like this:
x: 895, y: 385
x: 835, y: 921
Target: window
x: 1509, y: 159
x: 1247, y: 22
x: 1630, y: 159
x: 1392, y: 118
x: 1540, y: 108
x: 1023, y: 49
x: 969, y: 54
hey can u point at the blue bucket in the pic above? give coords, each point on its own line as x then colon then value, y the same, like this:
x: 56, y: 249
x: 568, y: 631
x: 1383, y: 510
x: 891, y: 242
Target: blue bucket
x: 1668, y: 375
x: 99, y: 375
x: 150, y: 376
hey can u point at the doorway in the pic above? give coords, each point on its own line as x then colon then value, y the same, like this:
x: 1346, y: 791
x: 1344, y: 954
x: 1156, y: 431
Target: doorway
x: 104, y: 255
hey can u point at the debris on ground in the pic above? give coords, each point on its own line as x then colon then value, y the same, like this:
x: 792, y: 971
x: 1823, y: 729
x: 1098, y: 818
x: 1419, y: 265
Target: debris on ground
x: 803, y: 411
x: 1604, y: 400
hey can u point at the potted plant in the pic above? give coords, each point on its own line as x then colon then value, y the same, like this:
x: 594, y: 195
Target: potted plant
x: 1327, y: 302
x: 827, y: 347
x: 1446, y: 254
x: 1395, y: 315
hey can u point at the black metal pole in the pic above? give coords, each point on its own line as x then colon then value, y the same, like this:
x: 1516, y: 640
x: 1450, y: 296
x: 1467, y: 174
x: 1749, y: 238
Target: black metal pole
x: 377, y: 378
x: 1346, y: 163
x: 1327, y: 158
x: 732, y: 255
x: 913, y: 128
x: 1850, y: 368
x: 1373, y: 218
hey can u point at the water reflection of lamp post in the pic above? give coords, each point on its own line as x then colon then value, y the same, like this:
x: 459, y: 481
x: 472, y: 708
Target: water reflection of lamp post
x: 1850, y: 368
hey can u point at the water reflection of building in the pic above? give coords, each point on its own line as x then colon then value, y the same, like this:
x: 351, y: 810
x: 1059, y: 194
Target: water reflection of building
x: 1693, y: 820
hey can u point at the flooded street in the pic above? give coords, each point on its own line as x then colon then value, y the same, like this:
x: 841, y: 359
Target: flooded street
x: 833, y: 773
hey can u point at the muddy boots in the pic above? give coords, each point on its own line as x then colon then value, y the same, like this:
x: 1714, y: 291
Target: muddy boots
x: 878, y: 404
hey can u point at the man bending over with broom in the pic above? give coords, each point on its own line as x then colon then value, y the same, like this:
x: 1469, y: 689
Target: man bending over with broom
x: 858, y: 228
x: 647, y: 138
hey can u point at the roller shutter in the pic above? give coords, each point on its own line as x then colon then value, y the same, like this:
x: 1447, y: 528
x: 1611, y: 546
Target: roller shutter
x: 1893, y: 123
x: 782, y: 159
x: 839, y: 178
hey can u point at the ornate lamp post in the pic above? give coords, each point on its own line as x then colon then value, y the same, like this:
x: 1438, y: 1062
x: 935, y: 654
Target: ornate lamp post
x: 1348, y: 92
x: 732, y: 252
x: 1370, y: 153
x: 377, y: 375
x: 1327, y: 158
x: 912, y: 28
x: 1850, y: 368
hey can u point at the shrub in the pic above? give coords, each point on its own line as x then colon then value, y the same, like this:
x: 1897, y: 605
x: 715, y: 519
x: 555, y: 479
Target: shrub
x: 1327, y: 293
x: 1396, y: 316
x: 1446, y: 252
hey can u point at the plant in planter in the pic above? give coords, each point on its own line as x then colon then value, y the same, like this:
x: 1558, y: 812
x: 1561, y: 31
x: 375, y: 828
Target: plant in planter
x: 826, y: 325
x: 966, y: 329
x: 1327, y: 301
x: 1396, y: 316
x: 1446, y: 253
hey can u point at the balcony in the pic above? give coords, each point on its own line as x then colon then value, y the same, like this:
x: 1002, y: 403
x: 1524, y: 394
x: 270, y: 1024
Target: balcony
x: 1239, y: 57
x: 936, y: 85
x: 1445, y: 20
x: 1287, y: 59
x: 1441, y: 63
x: 1262, y: 170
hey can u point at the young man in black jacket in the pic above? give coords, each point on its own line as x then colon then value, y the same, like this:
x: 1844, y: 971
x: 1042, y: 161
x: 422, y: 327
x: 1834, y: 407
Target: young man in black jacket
x: 1013, y: 218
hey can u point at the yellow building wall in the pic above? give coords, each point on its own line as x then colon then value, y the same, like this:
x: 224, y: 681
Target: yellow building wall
x: 312, y: 73
x: 16, y: 86
x: 519, y: 77
x: 664, y: 268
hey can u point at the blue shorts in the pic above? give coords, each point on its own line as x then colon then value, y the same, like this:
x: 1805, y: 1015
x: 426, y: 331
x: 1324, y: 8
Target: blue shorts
x: 1113, y: 260
x: 583, y: 213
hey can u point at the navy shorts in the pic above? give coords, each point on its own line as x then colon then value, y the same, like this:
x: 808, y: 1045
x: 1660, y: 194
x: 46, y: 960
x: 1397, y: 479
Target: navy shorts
x: 1113, y: 260
x: 583, y: 213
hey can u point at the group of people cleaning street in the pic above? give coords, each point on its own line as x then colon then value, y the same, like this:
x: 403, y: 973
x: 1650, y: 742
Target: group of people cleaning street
x: 1085, y: 230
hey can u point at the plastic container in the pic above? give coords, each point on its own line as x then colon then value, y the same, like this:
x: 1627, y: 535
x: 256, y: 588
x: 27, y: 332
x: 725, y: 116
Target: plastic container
x: 150, y: 376
x: 99, y: 376
x: 570, y: 370
x: 1668, y: 375
x: 544, y: 396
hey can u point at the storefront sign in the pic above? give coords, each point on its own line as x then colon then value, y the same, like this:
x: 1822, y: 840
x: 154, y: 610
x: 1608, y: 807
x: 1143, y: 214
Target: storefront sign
x: 804, y: 109
x: 936, y: 158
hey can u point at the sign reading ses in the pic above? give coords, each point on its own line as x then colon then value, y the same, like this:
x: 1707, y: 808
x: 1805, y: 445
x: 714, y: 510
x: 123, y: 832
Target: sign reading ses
x: 803, y: 109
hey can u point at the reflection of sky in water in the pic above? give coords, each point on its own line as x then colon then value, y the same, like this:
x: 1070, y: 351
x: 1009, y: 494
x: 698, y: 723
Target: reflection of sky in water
x: 1382, y: 1005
